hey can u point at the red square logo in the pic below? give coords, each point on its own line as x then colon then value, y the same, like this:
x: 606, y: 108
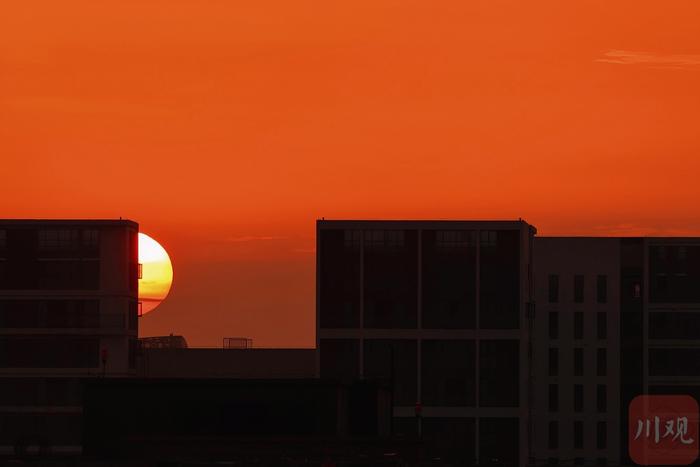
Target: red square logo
x: 663, y: 430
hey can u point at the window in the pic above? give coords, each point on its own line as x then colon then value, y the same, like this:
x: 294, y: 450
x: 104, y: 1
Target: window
x: 578, y: 434
x: 602, y: 325
x: 384, y: 239
x: 553, y: 361
x: 578, y: 288
x: 602, y: 398
x: 448, y: 264
x: 578, y: 362
x: 602, y: 289
x: 553, y: 435
x: 58, y: 239
x: 553, y: 397
x: 578, y: 398
x: 674, y: 325
x: 601, y: 362
x: 49, y: 314
x: 49, y: 352
x: 498, y: 388
x: 454, y: 239
x: 489, y: 238
x: 340, y: 359
x: 394, y: 362
x: 553, y: 288
x: 448, y: 370
x: 578, y: 325
x: 637, y: 290
x: 91, y: 238
x: 602, y: 435
x: 352, y: 239
x: 390, y: 279
x: 553, y: 325
x: 499, y: 276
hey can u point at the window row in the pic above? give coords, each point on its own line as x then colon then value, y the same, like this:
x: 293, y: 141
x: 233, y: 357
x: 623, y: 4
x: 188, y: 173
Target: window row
x: 49, y: 352
x: 384, y: 282
x: 448, y: 369
x: 601, y: 318
x: 601, y: 362
x: 601, y: 431
x: 578, y: 399
x: 50, y: 275
x: 49, y: 313
x: 41, y: 392
x: 579, y: 288
x: 68, y: 240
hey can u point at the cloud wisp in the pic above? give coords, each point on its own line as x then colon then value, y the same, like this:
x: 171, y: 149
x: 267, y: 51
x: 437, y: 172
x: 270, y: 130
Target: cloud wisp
x: 627, y: 57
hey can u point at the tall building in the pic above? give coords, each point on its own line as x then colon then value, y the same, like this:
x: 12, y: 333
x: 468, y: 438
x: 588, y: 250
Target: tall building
x: 68, y: 310
x: 441, y: 311
x: 512, y: 348
x: 616, y: 318
x: 576, y: 351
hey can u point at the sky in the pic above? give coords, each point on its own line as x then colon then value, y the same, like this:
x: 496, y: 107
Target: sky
x: 227, y: 128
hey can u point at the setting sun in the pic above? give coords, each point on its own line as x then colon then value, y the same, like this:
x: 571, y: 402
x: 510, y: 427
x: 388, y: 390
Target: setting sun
x: 156, y: 273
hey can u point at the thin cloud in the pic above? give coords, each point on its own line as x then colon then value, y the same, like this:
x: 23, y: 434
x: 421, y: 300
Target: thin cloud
x: 627, y: 57
x: 253, y: 238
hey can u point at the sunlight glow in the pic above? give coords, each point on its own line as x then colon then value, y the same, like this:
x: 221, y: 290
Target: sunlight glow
x: 157, y: 273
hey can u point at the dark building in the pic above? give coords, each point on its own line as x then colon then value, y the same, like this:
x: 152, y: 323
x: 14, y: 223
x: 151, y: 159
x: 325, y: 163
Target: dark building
x: 255, y: 422
x: 68, y: 310
x: 441, y: 311
x: 227, y: 363
x: 616, y: 318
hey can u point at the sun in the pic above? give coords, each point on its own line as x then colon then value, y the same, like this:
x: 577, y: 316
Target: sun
x: 156, y: 273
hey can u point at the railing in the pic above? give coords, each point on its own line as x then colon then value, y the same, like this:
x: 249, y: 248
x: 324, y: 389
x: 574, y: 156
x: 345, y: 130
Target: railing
x: 238, y: 343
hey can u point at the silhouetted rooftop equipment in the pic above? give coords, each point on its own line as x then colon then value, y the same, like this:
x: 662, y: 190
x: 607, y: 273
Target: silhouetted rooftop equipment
x: 163, y: 342
x: 238, y: 343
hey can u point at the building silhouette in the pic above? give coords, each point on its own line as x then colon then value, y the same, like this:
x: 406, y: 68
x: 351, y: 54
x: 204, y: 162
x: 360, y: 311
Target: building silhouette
x: 442, y: 310
x: 454, y: 342
x: 511, y: 348
x: 616, y: 317
x: 68, y: 311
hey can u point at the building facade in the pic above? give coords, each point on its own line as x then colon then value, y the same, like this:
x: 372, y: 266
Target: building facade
x: 68, y: 310
x: 441, y: 311
x: 616, y: 318
x: 576, y: 351
x: 508, y: 343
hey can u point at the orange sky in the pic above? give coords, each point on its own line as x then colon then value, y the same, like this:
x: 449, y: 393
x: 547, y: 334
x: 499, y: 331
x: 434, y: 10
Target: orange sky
x: 226, y: 127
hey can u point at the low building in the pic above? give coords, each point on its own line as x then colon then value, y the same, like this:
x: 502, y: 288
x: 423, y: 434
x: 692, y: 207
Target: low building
x: 226, y: 363
x: 249, y: 422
